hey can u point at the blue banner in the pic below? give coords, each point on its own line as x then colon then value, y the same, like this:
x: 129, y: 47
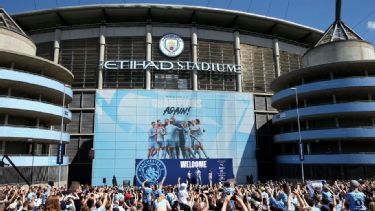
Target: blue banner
x: 60, y: 154
x: 155, y: 170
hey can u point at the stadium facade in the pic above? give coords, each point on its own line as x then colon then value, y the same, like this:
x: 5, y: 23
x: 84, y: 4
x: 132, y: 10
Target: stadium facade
x: 327, y: 107
x: 124, y: 80
x: 34, y: 94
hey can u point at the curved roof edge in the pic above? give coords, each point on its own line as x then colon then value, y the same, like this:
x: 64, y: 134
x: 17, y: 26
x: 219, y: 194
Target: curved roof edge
x: 280, y: 82
x: 228, y: 18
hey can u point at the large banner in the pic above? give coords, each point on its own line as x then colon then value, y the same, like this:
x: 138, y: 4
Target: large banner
x: 157, y: 124
x: 193, y: 171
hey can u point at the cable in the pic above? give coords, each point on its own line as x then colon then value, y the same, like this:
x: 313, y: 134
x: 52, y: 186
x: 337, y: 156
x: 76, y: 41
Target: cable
x: 208, y: 2
x: 34, y: 4
x: 269, y: 8
x: 367, y: 16
x: 230, y: 2
x: 57, y: 3
x: 250, y: 3
x: 287, y: 10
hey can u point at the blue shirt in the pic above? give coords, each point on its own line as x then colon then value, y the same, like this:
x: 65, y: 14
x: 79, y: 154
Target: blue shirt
x: 170, y: 131
x: 356, y: 201
x: 152, y: 133
x: 147, y: 195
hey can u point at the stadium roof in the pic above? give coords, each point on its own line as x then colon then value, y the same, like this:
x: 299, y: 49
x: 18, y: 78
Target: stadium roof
x: 179, y: 14
x: 8, y: 23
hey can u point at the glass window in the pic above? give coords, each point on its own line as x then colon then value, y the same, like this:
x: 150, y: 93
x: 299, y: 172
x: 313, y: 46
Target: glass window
x: 125, y: 48
x: 88, y: 100
x: 260, y: 102
x: 85, y: 145
x: 257, y: 68
x: 81, y: 57
x: 73, y: 126
x: 87, y: 122
x: 76, y: 101
x: 216, y: 52
x: 289, y: 62
x: 72, y: 148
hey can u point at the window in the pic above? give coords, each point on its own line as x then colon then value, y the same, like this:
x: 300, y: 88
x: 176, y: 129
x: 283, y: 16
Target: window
x: 257, y: 68
x: 216, y: 52
x: 73, y: 126
x: 81, y: 57
x: 125, y: 48
x: 289, y: 62
x: 83, y: 100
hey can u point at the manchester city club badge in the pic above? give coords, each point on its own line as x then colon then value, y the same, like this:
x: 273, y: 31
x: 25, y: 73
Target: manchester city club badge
x: 171, y: 45
x: 151, y: 169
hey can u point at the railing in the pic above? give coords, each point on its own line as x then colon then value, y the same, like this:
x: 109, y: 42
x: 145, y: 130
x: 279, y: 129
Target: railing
x: 30, y: 99
x: 31, y: 73
x: 30, y: 126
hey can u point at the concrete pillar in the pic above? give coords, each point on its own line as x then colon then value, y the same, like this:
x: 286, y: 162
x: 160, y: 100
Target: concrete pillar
x: 237, y: 53
x: 276, y: 56
x: 101, y: 55
x: 56, y: 46
x: 194, y: 52
x: 148, y: 54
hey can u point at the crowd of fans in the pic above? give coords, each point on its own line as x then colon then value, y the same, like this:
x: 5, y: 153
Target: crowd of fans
x: 270, y: 195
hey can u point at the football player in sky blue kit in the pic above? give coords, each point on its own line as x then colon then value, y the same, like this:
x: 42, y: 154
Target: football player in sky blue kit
x: 188, y: 142
x: 355, y: 198
x: 196, y: 134
x: 160, y: 139
x: 152, y: 134
x: 169, y: 138
x: 178, y: 140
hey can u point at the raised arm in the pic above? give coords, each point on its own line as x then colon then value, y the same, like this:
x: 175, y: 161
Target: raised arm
x: 143, y: 183
x: 161, y: 183
x: 225, y: 204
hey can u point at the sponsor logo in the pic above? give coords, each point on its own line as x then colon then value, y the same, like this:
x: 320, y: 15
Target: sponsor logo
x: 171, y: 45
x: 151, y: 169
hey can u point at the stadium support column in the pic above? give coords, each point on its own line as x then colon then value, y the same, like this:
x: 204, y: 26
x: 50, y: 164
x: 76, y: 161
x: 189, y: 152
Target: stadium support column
x: 194, y: 46
x: 56, y: 46
x: 101, y: 56
x: 276, y: 55
x: 148, y: 54
x: 237, y: 50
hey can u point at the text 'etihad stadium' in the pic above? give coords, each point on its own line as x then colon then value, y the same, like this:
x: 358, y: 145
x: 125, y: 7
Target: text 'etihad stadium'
x: 167, y: 65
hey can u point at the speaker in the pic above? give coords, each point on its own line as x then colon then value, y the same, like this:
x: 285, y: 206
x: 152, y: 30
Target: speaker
x: 126, y: 183
x: 51, y: 183
x: 104, y: 180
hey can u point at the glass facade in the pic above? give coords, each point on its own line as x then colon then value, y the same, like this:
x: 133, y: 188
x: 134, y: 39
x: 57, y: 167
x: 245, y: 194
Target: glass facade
x: 125, y: 48
x: 216, y: 52
x: 81, y: 56
x: 258, y: 68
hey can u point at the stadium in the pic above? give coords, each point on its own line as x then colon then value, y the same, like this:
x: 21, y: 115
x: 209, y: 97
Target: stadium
x: 140, y: 65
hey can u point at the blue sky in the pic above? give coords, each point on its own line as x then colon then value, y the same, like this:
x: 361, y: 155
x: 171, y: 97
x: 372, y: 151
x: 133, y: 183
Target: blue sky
x: 358, y: 14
